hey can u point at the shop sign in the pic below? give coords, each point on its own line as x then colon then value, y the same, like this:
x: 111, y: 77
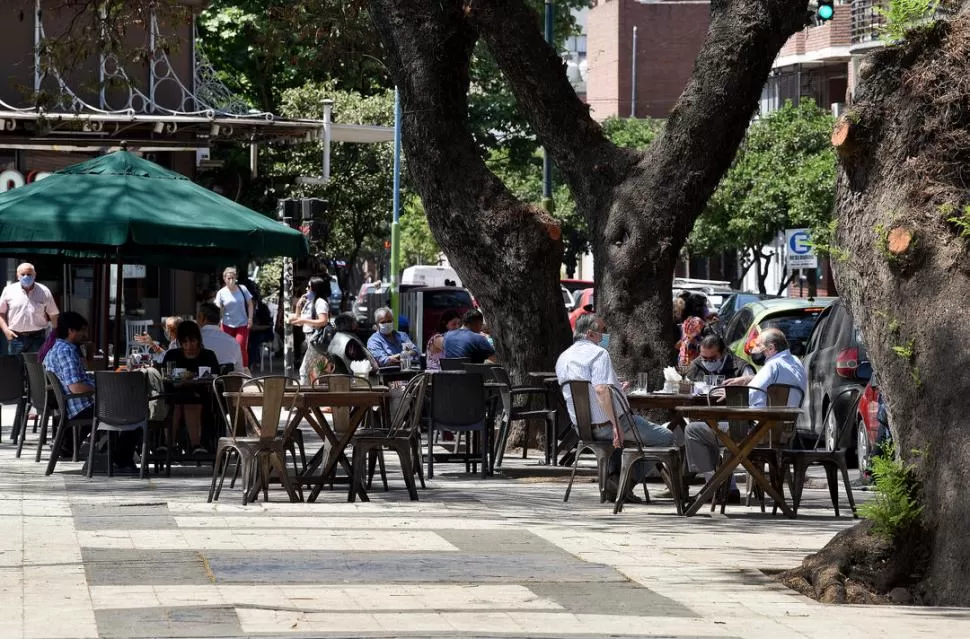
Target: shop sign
x: 11, y: 179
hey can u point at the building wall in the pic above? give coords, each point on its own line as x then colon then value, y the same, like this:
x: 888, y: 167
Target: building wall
x: 669, y: 35
x: 813, y: 41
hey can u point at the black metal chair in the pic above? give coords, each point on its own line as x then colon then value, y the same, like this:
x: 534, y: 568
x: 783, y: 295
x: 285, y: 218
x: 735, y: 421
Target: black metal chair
x: 833, y: 461
x: 403, y: 437
x: 59, y: 410
x: 579, y: 393
x: 38, y: 398
x: 454, y: 363
x: 120, y: 405
x: 458, y: 404
x: 13, y: 390
x: 538, y: 397
x: 667, y: 458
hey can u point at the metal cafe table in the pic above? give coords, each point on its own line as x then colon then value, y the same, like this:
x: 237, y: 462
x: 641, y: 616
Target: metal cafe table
x: 766, y: 418
x: 308, y: 405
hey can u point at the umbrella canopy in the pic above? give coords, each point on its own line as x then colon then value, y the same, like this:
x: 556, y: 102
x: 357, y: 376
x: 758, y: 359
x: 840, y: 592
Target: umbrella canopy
x: 120, y: 205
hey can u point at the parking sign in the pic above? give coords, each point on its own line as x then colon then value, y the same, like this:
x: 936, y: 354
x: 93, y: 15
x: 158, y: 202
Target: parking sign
x: 798, y: 243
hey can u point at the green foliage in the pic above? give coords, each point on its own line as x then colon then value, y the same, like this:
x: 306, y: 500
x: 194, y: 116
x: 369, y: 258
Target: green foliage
x: 782, y: 177
x: 418, y: 245
x: 895, y: 507
x: 359, y: 190
x: 633, y: 133
x: 903, y: 15
x: 960, y: 220
x: 268, y: 277
x: 906, y: 351
x: 823, y: 242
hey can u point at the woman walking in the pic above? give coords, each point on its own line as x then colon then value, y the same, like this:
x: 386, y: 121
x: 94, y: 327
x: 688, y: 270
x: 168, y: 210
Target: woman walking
x: 236, y: 303
x: 312, y: 312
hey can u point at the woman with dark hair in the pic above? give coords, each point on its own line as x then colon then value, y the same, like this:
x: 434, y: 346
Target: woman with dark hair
x: 312, y: 312
x: 450, y: 321
x: 190, y: 356
x: 692, y: 326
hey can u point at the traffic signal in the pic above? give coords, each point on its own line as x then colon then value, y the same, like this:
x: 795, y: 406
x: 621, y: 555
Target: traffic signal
x: 826, y: 10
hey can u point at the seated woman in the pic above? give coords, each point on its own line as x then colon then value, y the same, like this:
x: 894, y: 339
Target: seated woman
x: 190, y: 355
x: 450, y: 321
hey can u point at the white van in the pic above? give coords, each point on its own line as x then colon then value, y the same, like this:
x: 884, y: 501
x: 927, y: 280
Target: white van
x: 430, y: 276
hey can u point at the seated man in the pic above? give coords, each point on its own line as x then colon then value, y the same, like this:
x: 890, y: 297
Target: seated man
x: 346, y: 347
x: 468, y: 340
x: 779, y: 367
x: 386, y: 344
x: 64, y: 360
x: 716, y: 359
x: 225, y: 346
x: 587, y: 359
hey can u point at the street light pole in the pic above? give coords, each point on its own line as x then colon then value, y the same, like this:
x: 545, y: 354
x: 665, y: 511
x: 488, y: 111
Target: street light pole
x: 633, y: 76
x: 287, y: 297
x: 547, y: 202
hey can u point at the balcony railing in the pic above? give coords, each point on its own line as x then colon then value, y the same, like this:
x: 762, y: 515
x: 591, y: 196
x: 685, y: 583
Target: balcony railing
x: 865, y: 21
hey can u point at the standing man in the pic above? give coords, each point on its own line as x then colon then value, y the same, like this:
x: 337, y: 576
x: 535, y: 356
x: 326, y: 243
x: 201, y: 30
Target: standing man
x: 26, y: 307
x: 468, y: 340
x: 386, y: 344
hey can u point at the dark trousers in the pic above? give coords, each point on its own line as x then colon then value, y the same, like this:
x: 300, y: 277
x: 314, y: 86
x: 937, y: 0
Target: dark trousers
x: 123, y: 445
x: 27, y: 342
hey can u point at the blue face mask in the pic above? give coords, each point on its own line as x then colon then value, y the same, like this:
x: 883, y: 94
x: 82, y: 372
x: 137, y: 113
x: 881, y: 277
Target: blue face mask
x: 26, y: 281
x: 604, y: 340
x: 310, y: 296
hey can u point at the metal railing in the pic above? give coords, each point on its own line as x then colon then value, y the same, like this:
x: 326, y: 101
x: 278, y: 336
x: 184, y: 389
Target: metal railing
x: 865, y: 21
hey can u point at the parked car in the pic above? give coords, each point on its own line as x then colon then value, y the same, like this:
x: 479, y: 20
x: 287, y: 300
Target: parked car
x: 735, y: 302
x: 567, y: 299
x: 576, y: 285
x: 583, y: 306
x: 437, y: 300
x: 794, y: 317
x: 872, y: 427
x: 336, y: 295
x: 360, y: 310
x: 835, y: 362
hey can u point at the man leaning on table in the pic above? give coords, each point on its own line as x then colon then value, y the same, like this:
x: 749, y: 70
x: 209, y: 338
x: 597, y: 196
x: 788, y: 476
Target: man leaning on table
x: 26, y: 306
x: 588, y: 360
x: 778, y: 366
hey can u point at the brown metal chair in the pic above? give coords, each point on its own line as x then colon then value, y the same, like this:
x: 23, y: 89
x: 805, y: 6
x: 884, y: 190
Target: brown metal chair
x: 579, y: 391
x: 59, y: 410
x: 13, y: 390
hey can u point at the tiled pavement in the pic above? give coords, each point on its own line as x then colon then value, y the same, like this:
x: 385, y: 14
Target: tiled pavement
x: 124, y: 557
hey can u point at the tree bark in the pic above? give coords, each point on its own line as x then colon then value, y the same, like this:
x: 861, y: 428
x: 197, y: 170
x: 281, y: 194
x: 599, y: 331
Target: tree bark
x: 905, y: 289
x: 507, y: 252
x: 640, y: 206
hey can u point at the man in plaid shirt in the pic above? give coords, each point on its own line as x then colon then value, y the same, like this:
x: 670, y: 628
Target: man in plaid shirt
x: 64, y: 360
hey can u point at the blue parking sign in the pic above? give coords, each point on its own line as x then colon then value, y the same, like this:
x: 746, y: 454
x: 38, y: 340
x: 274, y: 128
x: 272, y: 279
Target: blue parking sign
x: 801, y: 253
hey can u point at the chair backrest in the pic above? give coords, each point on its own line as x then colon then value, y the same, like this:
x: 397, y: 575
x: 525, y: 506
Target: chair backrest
x: 453, y: 363
x: 486, y: 370
x: 136, y: 327
x: 625, y: 414
x: 850, y: 396
x: 53, y: 385
x: 37, y: 382
x: 11, y: 379
x: 781, y: 395
x: 274, y: 389
x: 407, y: 417
x: 457, y: 398
x: 735, y: 397
x: 233, y: 383
x: 579, y: 391
x: 340, y: 383
x: 121, y: 398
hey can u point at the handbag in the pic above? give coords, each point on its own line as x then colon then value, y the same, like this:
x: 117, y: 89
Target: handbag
x: 319, y: 340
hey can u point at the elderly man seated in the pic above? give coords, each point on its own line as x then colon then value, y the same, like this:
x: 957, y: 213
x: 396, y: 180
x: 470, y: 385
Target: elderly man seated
x: 779, y: 367
x: 587, y: 359
x: 386, y: 344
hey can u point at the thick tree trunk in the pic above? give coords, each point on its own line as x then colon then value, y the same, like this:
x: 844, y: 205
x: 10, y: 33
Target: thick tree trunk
x: 507, y: 252
x: 903, y: 221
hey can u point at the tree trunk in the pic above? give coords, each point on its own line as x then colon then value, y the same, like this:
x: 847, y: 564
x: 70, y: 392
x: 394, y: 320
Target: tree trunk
x: 902, y: 218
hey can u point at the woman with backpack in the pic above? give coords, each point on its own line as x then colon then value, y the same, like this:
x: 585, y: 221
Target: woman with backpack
x: 236, y: 303
x: 313, y: 315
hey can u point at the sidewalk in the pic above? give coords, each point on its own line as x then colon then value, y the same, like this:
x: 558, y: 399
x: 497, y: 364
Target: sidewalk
x: 124, y: 557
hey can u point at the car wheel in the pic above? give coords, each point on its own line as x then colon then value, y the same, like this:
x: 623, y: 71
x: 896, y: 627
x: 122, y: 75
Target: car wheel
x: 831, y: 437
x: 862, y: 450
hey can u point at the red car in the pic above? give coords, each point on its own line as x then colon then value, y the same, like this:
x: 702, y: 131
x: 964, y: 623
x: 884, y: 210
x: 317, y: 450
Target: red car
x: 583, y: 307
x: 872, y: 427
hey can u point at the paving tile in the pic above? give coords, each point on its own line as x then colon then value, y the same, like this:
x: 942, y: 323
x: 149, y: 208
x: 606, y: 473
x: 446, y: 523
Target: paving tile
x: 202, y: 621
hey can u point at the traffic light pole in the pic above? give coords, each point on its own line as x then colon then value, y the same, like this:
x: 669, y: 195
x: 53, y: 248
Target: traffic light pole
x: 395, y: 225
x: 547, y: 201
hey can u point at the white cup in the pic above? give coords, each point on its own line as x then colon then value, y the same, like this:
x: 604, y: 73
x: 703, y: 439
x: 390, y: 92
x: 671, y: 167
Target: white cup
x: 204, y: 371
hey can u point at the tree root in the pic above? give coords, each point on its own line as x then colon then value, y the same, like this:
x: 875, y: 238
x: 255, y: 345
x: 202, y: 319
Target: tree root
x: 859, y: 567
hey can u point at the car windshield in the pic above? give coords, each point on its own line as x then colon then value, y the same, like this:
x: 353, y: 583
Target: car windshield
x: 796, y: 324
x: 567, y: 298
x: 447, y: 299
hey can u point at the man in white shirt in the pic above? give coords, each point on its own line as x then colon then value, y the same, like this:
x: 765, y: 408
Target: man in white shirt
x: 778, y: 366
x: 26, y: 307
x: 225, y: 347
x: 587, y: 359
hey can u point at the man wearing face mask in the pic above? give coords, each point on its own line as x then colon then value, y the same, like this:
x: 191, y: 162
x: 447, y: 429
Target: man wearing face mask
x: 716, y: 359
x: 26, y: 306
x: 587, y: 359
x: 779, y: 367
x: 386, y: 344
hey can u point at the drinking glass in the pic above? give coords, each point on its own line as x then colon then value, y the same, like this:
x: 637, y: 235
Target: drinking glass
x: 643, y: 382
x: 170, y: 369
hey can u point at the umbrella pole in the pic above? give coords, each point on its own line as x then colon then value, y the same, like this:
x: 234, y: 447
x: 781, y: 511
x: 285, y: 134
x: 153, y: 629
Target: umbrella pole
x: 119, y: 289
x: 105, y: 283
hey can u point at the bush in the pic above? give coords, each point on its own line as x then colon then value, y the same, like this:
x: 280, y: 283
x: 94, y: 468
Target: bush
x: 895, y: 507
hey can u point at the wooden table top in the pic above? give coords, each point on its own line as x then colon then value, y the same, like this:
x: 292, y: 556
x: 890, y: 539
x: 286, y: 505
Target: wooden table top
x: 317, y: 398
x: 774, y: 413
x: 644, y: 401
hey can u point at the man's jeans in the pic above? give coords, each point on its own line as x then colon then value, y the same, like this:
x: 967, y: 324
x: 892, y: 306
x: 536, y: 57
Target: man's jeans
x: 26, y: 343
x: 650, y: 434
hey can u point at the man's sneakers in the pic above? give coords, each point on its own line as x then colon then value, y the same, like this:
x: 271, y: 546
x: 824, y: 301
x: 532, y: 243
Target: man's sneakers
x: 611, y: 490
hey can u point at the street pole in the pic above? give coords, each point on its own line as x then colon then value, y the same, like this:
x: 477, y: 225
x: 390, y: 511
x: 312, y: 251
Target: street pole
x: 547, y: 202
x: 287, y: 298
x: 396, y: 212
x: 633, y: 76
x: 327, y: 137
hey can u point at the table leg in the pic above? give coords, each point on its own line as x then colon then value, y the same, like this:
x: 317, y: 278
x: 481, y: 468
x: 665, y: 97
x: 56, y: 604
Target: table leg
x: 357, y: 415
x: 741, y: 454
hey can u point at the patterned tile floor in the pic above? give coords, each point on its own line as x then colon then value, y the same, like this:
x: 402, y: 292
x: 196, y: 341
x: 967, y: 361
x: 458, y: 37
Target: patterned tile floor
x: 124, y: 557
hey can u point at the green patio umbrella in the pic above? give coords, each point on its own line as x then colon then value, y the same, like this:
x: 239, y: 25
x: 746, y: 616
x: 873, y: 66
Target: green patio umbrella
x: 122, y: 207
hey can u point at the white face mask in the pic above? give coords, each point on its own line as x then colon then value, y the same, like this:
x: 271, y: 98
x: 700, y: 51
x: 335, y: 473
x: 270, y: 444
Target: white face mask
x: 386, y: 328
x: 712, y: 367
